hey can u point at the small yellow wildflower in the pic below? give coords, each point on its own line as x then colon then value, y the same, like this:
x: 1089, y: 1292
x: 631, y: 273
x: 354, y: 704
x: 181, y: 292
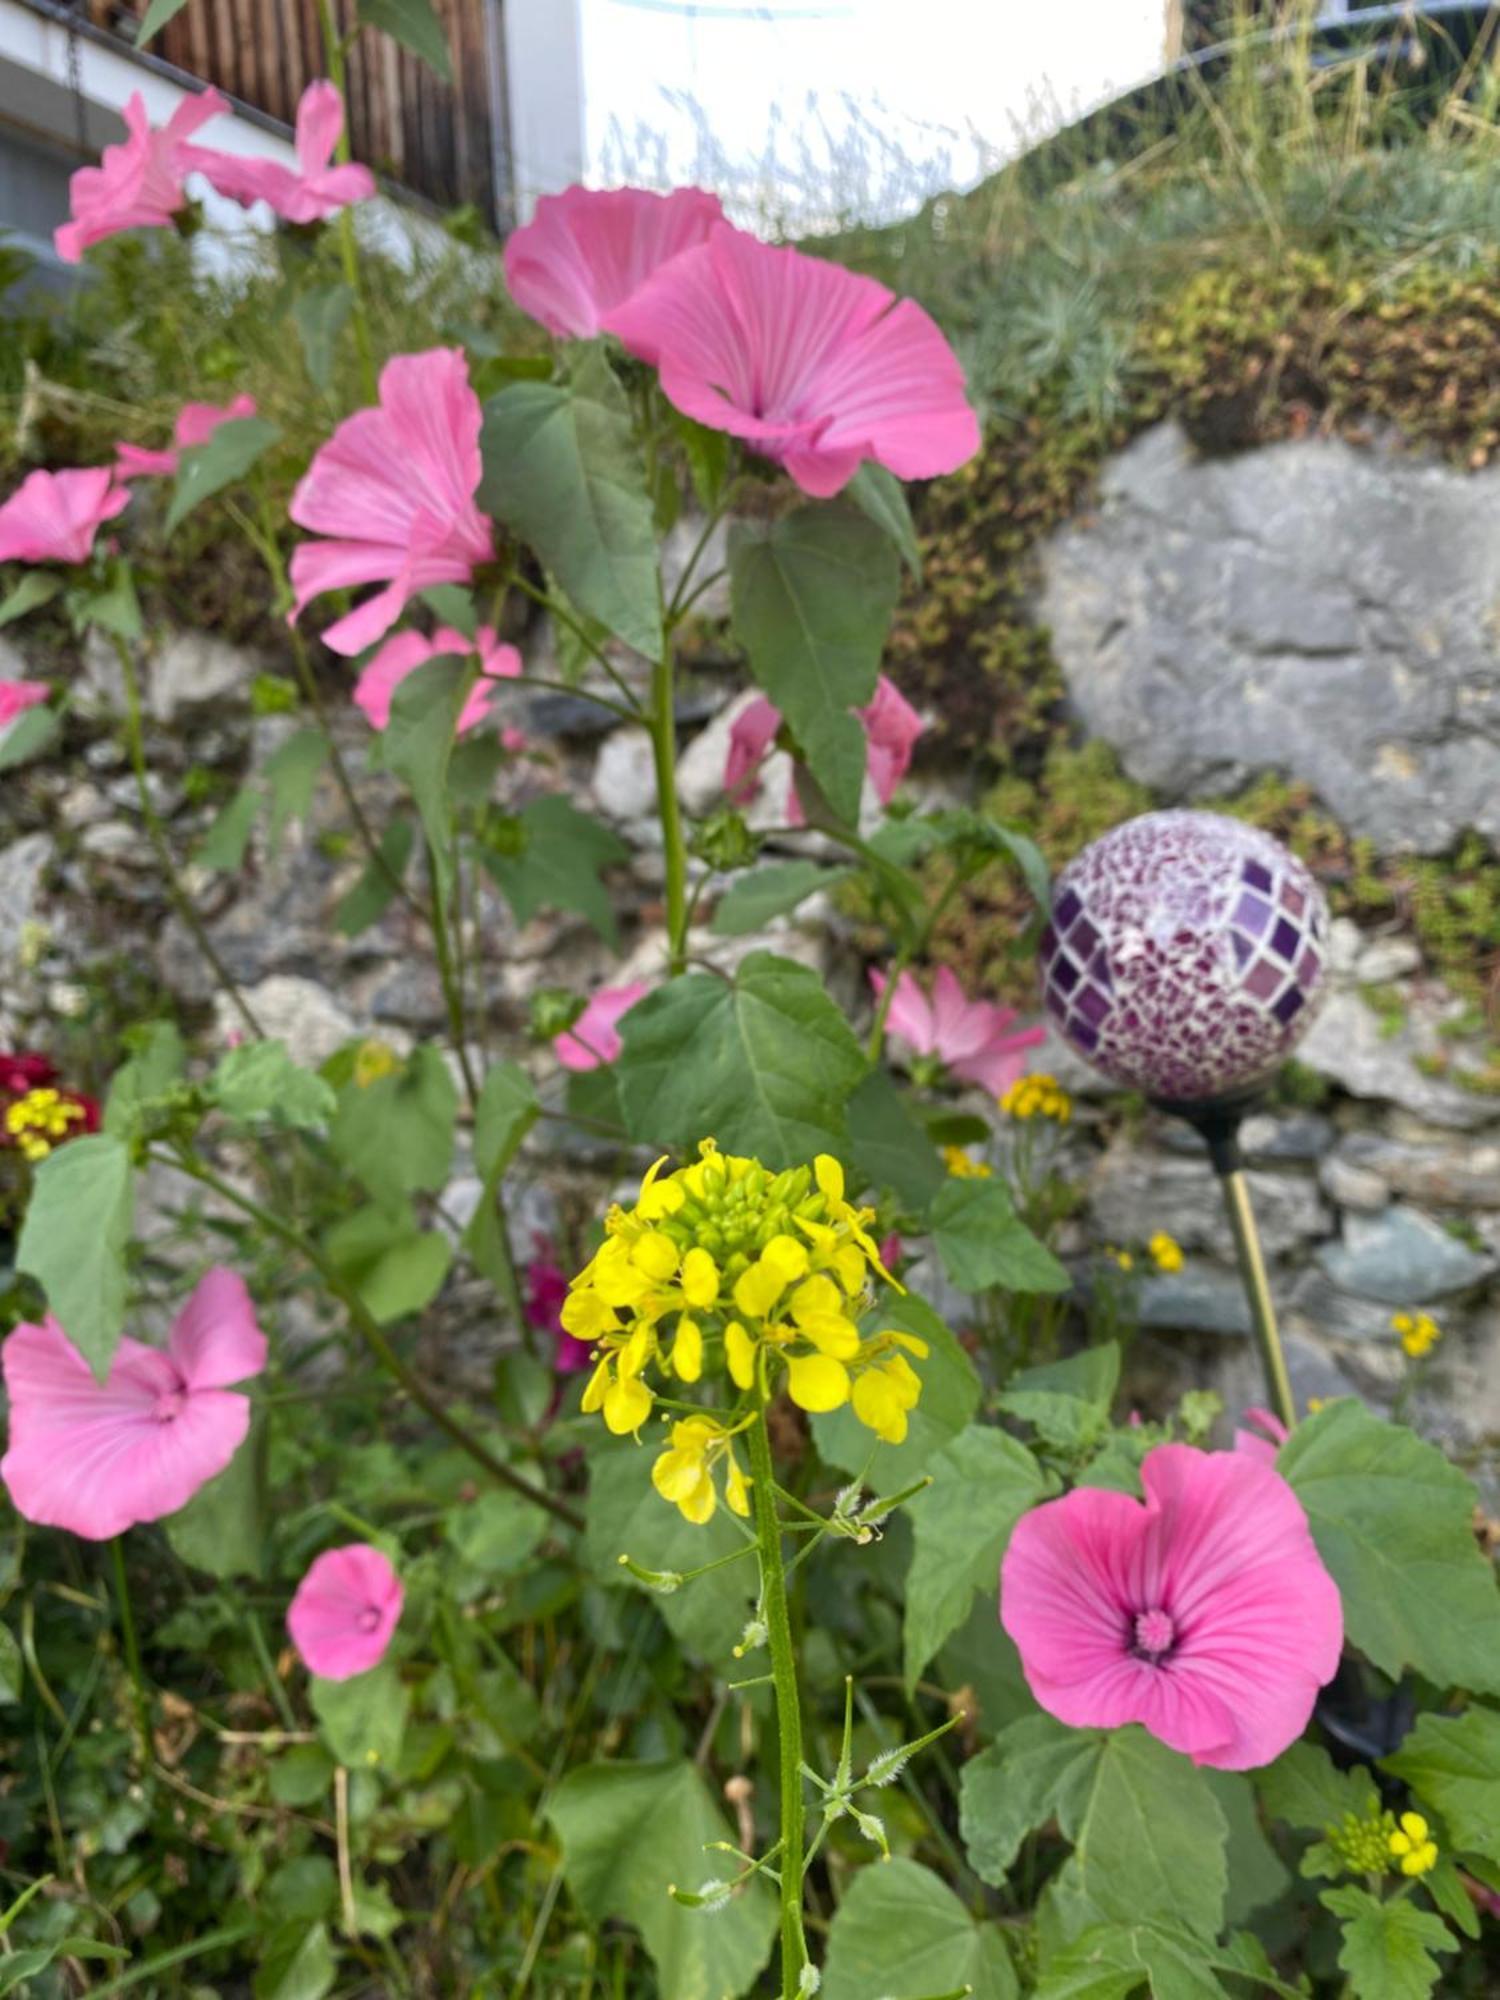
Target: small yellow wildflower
x: 1166, y: 1251
x: 1419, y: 1333
x: 39, y: 1120
x: 724, y: 1268
x: 1038, y: 1096
x: 372, y: 1061
x: 1316, y: 1403
x: 1413, y: 1846
x: 963, y: 1167
x: 1122, y: 1258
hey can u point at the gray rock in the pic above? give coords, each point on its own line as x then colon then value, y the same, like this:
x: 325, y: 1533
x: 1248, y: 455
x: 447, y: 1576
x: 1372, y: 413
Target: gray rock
x: 1196, y: 1299
x: 23, y: 866
x: 1298, y: 1136
x: 295, y: 1011
x: 1347, y: 1043
x: 1307, y: 608
x: 195, y: 670
x: 1348, y: 1185
x: 1133, y: 1193
x: 1446, y: 1174
x: 700, y: 769
x: 1316, y: 1305
x: 1387, y: 958
x: 625, y: 778
x: 677, y: 553
x: 1402, y: 1258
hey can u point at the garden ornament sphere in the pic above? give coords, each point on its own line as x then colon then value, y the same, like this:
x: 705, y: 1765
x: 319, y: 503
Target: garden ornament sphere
x: 1186, y: 955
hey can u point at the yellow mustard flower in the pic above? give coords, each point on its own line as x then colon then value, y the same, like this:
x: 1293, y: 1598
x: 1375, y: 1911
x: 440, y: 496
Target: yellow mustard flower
x: 1037, y: 1096
x: 724, y: 1268
x: 963, y: 1167
x: 1412, y: 1845
x: 1418, y: 1333
x: 1166, y: 1251
x: 37, y: 1121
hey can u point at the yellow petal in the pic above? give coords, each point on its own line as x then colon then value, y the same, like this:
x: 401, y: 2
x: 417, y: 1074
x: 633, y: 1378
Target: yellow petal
x: 787, y: 1258
x: 626, y: 1406
x: 831, y: 1334
x: 658, y: 1198
x: 1414, y: 1826
x: 655, y: 1254
x: 699, y: 1279
x: 904, y: 1380
x: 687, y: 1350
x: 585, y: 1315
x: 736, y: 1487
x: 814, y: 1382
x: 850, y: 1264
x: 829, y: 1176
x: 817, y: 1295
x: 878, y: 1407
x: 617, y: 1280
x: 676, y: 1473
x: 910, y: 1341
x: 739, y: 1354
x: 636, y: 1351
x: 698, y: 1505
x: 599, y: 1381
x: 757, y: 1290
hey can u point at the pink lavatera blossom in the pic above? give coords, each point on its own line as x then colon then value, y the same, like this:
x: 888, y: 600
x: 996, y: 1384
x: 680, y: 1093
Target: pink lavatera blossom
x: 587, y: 251
x: 317, y: 188
x: 137, y: 184
x: 195, y: 425
x: 54, y: 516
x: 1261, y: 1434
x: 975, y: 1040
x: 97, y: 1458
x: 1205, y: 1614
x: 393, y: 489
x: 811, y: 364
x: 593, y: 1041
x: 891, y: 727
x: 404, y: 652
x: 345, y: 1612
x: 16, y: 697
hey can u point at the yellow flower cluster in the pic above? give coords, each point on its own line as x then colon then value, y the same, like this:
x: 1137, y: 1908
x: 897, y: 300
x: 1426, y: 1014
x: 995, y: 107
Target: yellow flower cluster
x: 725, y: 1264
x: 1419, y: 1333
x: 37, y: 1121
x: 1412, y: 1846
x: 1166, y: 1251
x: 1363, y: 1845
x: 1038, y: 1096
x: 964, y: 1167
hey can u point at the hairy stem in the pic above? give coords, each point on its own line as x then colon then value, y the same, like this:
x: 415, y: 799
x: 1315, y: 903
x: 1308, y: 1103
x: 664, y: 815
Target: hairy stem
x: 788, y: 1710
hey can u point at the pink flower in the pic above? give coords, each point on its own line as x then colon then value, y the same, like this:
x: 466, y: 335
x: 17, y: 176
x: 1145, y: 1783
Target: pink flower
x: 593, y: 1041
x: 404, y: 652
x: 891, y: 727
x: 137, y: 185
x: 811, y: 364
x: 973, y: 1038
x: 584, y: 253
x: 54, y: 516
x: 345, y: 1611
x: 395, y: 488
x: 1262, y: 1435
x: 1205, y: 1614
x: 98, y: 1458
x: 196, y: 424
x: 318, y: 189
x: 892, y: 1250
x: 546, y: 1288
x: 17, y: 696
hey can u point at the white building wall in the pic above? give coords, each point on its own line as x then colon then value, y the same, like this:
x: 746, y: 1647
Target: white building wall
x: 544, y: 62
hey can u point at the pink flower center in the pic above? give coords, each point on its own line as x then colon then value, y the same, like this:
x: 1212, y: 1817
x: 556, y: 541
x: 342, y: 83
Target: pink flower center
x: 368, y: 1619
x: 1154, y: 1633
x: 168, y: 1405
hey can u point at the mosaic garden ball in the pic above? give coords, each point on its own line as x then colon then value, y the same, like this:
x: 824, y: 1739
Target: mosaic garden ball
x: 1186, y: 956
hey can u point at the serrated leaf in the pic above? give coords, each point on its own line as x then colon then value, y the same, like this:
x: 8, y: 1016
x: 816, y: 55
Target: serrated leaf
x: 1306, y: 1789
x: 764, y: 1063
x: 158, y: 1060
x: 562, y: 468
x: 982, y: 1483
x: 950, y: 1396
x: 813, y: 593
x: 36, y: 588
x: 752, y: 900
x: 1067, y: 1402
x: 889, y: 1146
x: 156, y: 18
x: 222, y: 1529
x: 498, y: 1533
x: 396, y: 1268
x: 206, y: 469
x: 901, y: 1933
x: 881, y: 496
x: 560, y: 865
x: 260, y: 1080
x: 396, y: 1132
x: 320, y: 315
x: 1257, y: 1875
x: 112, y: 606
x: 415, y: 25
x: 1392, y: 1518
x: 74, y: 1238
x: 1111, y: 1961
x: 1452, y: 1762
x: 983, y: 1242
x: 363, y: 1719
x: 1013, y: 1787
x: 1388, y: 1947
x: 600, y: 1813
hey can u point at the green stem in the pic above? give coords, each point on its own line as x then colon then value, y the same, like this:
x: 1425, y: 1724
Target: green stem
x: 131, y: 1649
x: 664, y: 747
x: 334, y: 48
x: 453, y: 995
x: 788, y: 1710
x: 156, y: 833
x: 370, y: 1333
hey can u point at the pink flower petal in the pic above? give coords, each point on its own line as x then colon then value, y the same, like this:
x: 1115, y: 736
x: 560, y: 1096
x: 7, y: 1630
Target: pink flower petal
x: 345, y: 1611
x: 54, y: 516
x: 137, y: 185
x: 891, y: 727
x: 593, y: 1040
x: 1261, y: 1434
x: 751, y: 735
x: 17, y: 696
x: 216, y: 1341
x: 312, y: 193
x: 586, y: 252
x: 320, y: 121
x: 909, y: 1017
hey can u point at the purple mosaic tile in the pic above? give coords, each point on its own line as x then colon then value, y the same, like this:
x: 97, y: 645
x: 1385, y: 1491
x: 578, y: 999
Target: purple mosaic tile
x: 1204, y: 943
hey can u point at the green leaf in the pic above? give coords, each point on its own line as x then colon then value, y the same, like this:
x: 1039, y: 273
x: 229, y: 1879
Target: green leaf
x: 292, y: 776
x: 1392, y: 1519
x: 882, y: 498
x: 562, y: 468
x: 396, y: 1268
x: 1453, y: 1762
x: 1257, y: 1876
x: 506, y: 1111
x: 889, y: 1145
x: 32, y: 732
x: 36, y: 588
x: 418, y: 747
x: 363, y: 1719
x: 813, y: 593
x: 708, y: 455
x: 222, y: 1529
x: 950, y: 1396
x: 396, y: 1131
x: 560, y: 865
x: 632, y: 1832
x: 223, y: 846
x: 156, y: 18
x: 298, y: 1964
x: 12, y: 1667
x: 260, y: 1080
x: 155, y: 1065
x: 1306, y: 1789
x: 73, y: 1241
x: 982, y: 1483
x: 1388, y: 1946
x: 1110, y: 1961
x: 367, y: 902
x: 982, y: 1241
x: 901, y: 1933
x: 206, y: 469
x: 750, y: 903
x: 320, y: 314
x: 764, y: 1063
x: 113, y: 607
x: 416, y: 26
x: 1013, y: 1787
x: 1067, y: 1402
x: 498, y: 1533
x: 20, y: 1966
